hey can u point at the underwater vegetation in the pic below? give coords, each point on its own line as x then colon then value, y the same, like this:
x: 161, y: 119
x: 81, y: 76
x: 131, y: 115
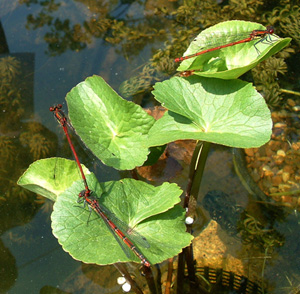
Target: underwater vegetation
x: 9, y: 69
x: 255, y: 233
x: 20, y: 143
x: 10, y: 94
x: 288, y: 17
x: 8, y: 151
x: 143, y: 81
x: 10, y: 105
x: 34, y: 142
x: 265, y: 77
x: 40, y: 142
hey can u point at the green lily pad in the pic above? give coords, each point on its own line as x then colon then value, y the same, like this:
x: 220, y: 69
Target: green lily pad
x: 149, y: 210
x: 226, y: 112
x: 230, y: 62
x: 51, y: 176
x: 114, y: 129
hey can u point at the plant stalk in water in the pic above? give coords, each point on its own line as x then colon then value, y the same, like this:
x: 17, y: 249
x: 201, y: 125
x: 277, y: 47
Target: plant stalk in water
x: 123, y: 270
x: 195, y: 177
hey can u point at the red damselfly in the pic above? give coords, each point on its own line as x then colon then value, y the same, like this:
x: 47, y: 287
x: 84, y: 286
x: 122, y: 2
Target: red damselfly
x: 62, y: 119
x: 250, y: 37
x: 92, y: 202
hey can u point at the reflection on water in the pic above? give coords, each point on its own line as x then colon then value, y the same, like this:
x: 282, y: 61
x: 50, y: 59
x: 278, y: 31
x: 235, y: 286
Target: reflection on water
x: 46, y: 48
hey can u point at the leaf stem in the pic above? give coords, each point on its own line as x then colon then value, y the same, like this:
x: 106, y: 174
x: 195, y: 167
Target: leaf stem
x: 192, y: 172
x: 180, y: 274
x: 123, y: 270
x: 195, y: 176
x: 150, y: 279
x: 158, y: 279
x: 188, y: 251
x: 169, y: 277
x: 201, y: 156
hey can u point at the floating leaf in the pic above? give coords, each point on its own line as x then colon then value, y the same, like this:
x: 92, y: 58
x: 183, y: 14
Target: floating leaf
x: 51, y: 176
x: 230, y: 113
x: 230, y: 62
x: 149, y: 210
x: 114, y: 129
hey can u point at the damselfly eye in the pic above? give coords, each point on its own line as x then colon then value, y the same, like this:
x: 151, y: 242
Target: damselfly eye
x: 81, y: 194
x: 55, y: 108
x: 270, y: 29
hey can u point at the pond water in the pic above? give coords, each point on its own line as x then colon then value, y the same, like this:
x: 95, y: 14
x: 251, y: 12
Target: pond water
x: 43, y: 46
x: 47, y: 48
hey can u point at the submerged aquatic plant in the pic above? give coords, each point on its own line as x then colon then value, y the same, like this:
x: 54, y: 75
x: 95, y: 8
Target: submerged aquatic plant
x: 287, y: 18
x: 8, y: 151
x: 255, y: 233
x: 141, y: 82
x: 9, y: 187
x: 9, y: 69
x: 266, y: 81
x: 40, y: 142
x: 10, y: 93
x: 40, y: 146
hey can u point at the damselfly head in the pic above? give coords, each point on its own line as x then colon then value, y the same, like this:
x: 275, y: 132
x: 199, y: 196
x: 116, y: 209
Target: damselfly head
x: 82, y: 194
x: 270, y: 29
x: 55, y: 107
x: 85, y: 193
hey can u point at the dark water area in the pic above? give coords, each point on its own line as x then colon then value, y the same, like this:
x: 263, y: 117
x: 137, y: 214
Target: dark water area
x: 43, y: 58
x: 47, y: 48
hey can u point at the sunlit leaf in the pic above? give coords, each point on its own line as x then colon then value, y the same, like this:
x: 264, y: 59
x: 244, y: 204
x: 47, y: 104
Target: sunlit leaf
x: 114, y: 129
x: 51, y: 176
x: 149, y: 210
x: 230, y: 113
x: 230, y: 62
